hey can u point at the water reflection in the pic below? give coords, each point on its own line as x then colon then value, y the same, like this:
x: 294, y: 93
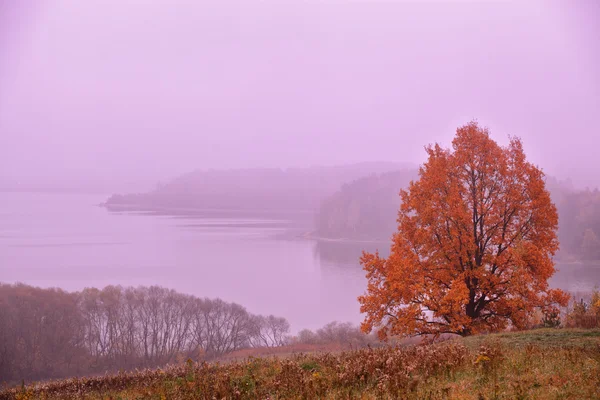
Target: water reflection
x: 577, y: 277
x: 346, y: 253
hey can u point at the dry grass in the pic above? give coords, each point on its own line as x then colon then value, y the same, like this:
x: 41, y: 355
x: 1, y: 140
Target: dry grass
x: 541, y: 364
x: 282, y: 351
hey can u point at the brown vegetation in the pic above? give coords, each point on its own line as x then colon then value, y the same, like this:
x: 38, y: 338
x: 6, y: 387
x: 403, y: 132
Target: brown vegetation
x: 541, y: 364
x: 584, y: 313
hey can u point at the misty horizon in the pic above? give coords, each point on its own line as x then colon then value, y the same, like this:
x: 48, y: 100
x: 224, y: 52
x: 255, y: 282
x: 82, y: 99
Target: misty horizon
x: 134, y: 93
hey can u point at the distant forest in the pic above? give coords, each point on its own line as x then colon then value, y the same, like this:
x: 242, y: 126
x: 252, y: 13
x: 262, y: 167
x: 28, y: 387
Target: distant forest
x: 292, y: 189
x: 367, y: 208
x: 355, y: 202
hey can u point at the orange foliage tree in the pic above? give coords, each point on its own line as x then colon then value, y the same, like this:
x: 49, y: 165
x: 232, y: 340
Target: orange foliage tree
x: 473, y: 251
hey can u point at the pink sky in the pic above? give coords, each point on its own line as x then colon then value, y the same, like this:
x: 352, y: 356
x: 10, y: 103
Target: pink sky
x: 135, y: 91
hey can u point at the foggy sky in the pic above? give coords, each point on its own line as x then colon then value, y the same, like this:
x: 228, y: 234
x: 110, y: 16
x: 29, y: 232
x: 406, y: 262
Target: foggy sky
x: 136, y: 91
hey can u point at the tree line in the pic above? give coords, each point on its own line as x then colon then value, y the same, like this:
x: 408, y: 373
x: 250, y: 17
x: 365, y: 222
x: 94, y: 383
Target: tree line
x: 579, y: 224
x: 364, y: 209
x: 367, y: 209
x: 51, y: 333
x: 252, y: 189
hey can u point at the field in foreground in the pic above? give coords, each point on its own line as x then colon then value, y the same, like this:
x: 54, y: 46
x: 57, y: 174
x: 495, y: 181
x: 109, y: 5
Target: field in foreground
x: 539, y: 364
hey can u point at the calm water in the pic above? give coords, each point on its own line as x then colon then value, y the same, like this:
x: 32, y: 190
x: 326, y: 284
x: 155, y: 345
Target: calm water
x: 65, y: 240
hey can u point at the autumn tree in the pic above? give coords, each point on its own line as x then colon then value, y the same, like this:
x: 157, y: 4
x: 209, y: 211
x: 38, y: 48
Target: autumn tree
x: 474, y: 246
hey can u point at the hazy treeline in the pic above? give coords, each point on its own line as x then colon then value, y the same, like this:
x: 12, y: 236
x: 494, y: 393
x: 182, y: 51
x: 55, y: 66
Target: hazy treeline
x: 358, y: 201
x: 50, y: 333
x: 251, y: 189
x: 367, y: 209
x: 579, y: 224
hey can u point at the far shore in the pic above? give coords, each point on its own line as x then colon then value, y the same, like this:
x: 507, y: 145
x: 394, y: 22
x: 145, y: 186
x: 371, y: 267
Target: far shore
x: 300, y: 232
x: 192, y: 211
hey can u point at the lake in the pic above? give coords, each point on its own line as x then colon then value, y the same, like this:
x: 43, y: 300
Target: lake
x: 259, y: 261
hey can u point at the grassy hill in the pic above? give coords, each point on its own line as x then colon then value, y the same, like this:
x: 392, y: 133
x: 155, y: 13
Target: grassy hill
x: 538, y: 364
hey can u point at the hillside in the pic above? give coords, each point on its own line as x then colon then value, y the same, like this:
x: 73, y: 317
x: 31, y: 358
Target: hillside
x: 540, y: 364
x: 250, y: 189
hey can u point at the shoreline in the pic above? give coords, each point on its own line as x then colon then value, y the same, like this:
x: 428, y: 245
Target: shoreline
x: 194, y: 211
x: 295, y: 231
